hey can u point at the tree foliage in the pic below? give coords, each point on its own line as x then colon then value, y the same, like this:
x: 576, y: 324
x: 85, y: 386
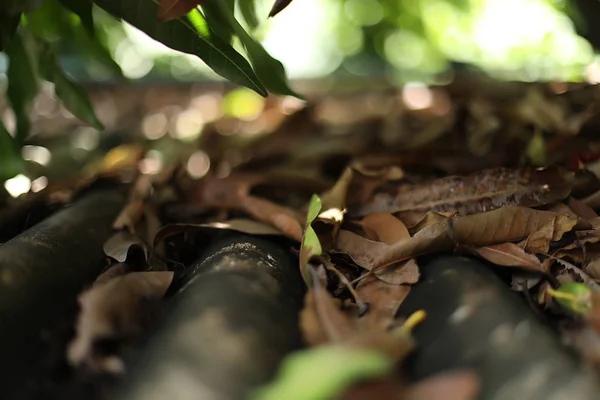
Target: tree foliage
x: 31, y: 30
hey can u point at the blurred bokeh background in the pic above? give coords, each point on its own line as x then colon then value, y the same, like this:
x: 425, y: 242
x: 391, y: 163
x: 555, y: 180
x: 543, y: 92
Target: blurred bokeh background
x: 142, y: 90
x: 401, y: 40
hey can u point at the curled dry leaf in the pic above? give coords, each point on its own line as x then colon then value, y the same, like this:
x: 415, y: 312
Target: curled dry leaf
x: 233, y: 193
x: 493, y: 227
x: 114, y: 309
x: 364, y: 252
x: 510, y: 255
x: 479, y: 192
x: 121, y: 243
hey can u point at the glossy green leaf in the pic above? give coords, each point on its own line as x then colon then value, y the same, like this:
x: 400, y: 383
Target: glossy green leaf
x: 324, y: 373
x: 11, y: 162
x: 248, y: 10
x: 190, y: 36
x: 22, y: 80
x: 83, y: 8
x: 269, y: 70
x: 71, y: 94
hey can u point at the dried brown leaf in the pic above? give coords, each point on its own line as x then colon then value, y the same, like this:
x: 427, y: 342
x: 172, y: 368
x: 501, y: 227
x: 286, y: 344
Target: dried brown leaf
x: 362, y: 251
x: 493, y: 227
x: 130, y: 216
x: 114, y: 309
x: 365, y: 252
x: 288, y: 221
x: 582, y: 210
x: 387, y: 228
x: 483, y: 191
x: 406, y: 272
x: 321, y: 319
x: 510, y: 255
x: 384, y: 300
x: 430, y: 218
x: 119, y: 245
x: 336, y: 196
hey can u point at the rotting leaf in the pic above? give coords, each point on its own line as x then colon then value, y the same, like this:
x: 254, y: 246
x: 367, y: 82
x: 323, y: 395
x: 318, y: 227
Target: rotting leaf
x: 483, y: 191
x: 114, y: 309
x: 510, y: 255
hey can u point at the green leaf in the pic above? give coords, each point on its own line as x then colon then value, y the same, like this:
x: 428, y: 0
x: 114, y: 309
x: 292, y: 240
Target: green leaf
x: 269, y: 70
x: 324, y: 373
x: 311, y: 240
x: 219, y: 23
x: 248, y: 9
x: 190, y: 36
x: 576, y: 297
x: 72, y: 95
x: 83, y: 8
x: 314, y: 207
x: 53, y: 20
x: 11, y: 162
x: 22, y: 80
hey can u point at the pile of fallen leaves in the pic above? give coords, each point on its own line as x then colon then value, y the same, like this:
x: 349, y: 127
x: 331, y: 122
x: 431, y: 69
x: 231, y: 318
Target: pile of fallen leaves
x: 364, y: 194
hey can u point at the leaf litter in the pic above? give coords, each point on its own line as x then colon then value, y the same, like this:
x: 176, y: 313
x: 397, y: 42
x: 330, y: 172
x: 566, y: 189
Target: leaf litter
x: 361, y: 216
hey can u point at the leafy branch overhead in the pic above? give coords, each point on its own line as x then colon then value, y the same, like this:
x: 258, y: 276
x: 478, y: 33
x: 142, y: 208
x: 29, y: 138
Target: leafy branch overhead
x: 206, y: 32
